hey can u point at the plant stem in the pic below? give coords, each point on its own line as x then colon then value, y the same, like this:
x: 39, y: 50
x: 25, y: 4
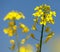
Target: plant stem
x: 41, y: 38
x: 17, y: 41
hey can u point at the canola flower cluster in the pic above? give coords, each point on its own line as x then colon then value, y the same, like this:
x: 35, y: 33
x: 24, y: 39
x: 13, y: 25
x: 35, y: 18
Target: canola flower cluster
x: 12, y: 27
x: 14, y: 15
x: 45, y: 14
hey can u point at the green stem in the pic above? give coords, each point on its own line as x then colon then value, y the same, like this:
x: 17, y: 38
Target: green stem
x: 17, y: 40
x: 41, y: 38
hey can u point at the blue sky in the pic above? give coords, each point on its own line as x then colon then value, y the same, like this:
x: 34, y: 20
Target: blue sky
x: 27, y: 7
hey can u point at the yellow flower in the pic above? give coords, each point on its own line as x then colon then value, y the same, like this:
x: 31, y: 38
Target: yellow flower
x: 25, y: 30
x: 14, y: 27
x: 13, y: 15
x: 37, y: 8
x: 12, y: 42
x: 5, y: 30
x: 38, y: 13
x: 8, y: 31
x: 23, y: 41
x: 49, y: 36
x: 22, y: 25
x: 44, y: 11
x: 34, y: 27
x: 51, y: 21
x: 54, y: 13
x: 43, y: 22
x: 22, y: 49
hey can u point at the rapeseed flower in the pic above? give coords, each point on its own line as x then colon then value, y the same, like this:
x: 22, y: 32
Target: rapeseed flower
x: 14, y: 15
x: 25, y: 30
x: 46, y: 14
x: 12, y: 41
x: 50, y: 35
x: 9, y: 31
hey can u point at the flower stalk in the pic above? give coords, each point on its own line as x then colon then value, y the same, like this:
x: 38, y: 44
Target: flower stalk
x: 41, y: 38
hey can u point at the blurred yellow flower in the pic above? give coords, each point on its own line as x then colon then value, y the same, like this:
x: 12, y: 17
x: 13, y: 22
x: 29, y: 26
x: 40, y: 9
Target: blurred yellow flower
x: 22, y: 25
x: 23, y: 41
x: 14, y: 27
x: 22, y: 49
x: 8, y: 31
x: 27, y: 48
x: 12, y: 41
x: 38, y: 13
x: 34, y: 27
x: 50, y: 35
x: 14, y: 15
x: 25, y: 30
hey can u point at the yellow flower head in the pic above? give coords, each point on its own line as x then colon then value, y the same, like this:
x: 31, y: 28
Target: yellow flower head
x: 13, y: 15
x: 12, y: 42
x: 14, y: 27
x: 34, y: 27
x: 22, y: 25
x: 25, y: 30
x: 8, y: 31
x: 44, y: 11
x: 22, y: 49
x: 50, y: 35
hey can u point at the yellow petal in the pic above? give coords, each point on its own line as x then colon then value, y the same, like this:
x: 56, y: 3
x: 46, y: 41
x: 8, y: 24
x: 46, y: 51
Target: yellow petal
x: 50, y: 35
x: 22, y: 25
x: 5, y: 30
x: 25, y: 30
x: 22, y: 49
x: 13, y: 15
x: 34, y: 27
x: 36, y: 8
x: 15, y: 27
x: 54, y: 13
x: 12, y: 41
